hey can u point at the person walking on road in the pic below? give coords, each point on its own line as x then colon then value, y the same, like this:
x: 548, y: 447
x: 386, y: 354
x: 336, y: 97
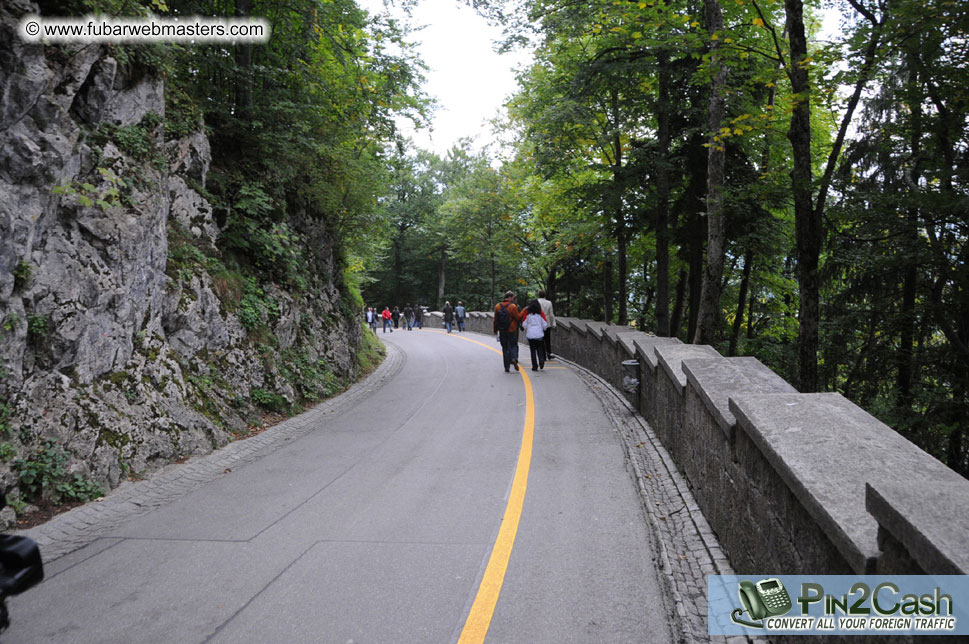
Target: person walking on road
x: 395, y: 314
x: 388, y: 320
x: 460, y: 313
x: 550, y: 317
x: 409, y: 317
x: 418, y: 316
x: 448, y: 316
x: 534, y: 324
x: 505, y: 326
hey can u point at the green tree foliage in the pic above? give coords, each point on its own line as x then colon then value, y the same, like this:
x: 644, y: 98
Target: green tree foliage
x: 298, y: 126
x: 844, y: 231
x: 406, y: 270
x: 455, y: 231
x: 483, y: 215
x: 899, y: 291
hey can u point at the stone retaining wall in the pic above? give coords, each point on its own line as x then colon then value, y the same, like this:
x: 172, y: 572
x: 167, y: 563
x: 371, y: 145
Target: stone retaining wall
x: 791, y: 483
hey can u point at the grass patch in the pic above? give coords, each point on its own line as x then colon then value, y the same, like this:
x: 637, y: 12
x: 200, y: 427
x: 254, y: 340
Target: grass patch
x: 371, y: 353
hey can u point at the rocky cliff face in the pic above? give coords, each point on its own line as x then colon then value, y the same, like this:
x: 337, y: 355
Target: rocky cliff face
x: 121, y: 344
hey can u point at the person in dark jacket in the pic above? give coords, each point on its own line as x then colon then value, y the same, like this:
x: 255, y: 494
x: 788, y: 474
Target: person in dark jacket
x: 409, y: 317
x: 419, y: 316
x: 448, y: 316
x: 395, y: 314
x: 507, y: 335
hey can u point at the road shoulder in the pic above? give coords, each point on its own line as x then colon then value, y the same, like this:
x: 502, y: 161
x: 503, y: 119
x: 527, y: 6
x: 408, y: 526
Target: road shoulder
x: 687, y: 550
x: 81, y: 526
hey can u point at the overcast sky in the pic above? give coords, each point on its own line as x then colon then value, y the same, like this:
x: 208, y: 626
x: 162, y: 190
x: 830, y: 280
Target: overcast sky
x: 469, y: 80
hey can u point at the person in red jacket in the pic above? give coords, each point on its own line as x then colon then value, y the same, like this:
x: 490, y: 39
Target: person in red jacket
x: 388, y: 319
x: 505, y: 325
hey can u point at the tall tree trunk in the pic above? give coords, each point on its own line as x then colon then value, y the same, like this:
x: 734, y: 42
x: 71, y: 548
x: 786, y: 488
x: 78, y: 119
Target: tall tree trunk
x: 650, y: 294
x: 551, y: 284
x: 906, y: 339
x: 808, y: 217
x: 865, y: 73
x: 709, y: 313
x: 697, y: 237
x: 618, y: 214
x: 664, y: 138
x: 955, y: 452
x: 952, y: 318
x: 908, y: 251
x: 807, y: 227
x: 243, y: 59
x: 676, y: 318
x: 621, y: 296
x: 649, y: 289
x: 750, y: 314
x: 398, y: 269
x: 741, y: 303
x: 440, y: 277
x: 607, y: 289
x: 692, y: 205
x: 494, y: 281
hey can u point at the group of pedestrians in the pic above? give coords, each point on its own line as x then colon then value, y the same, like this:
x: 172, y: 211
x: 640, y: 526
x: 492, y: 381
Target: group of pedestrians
x: 411, y: 317
x: 457, y: 314
x: 537, y: 320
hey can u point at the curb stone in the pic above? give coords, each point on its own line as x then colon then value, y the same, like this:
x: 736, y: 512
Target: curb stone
x: 84, y: 524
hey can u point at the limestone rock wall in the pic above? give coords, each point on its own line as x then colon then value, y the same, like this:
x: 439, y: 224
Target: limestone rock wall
x: 121, y: 357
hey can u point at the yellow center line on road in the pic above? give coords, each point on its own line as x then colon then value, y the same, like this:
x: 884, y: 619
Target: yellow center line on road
x: 483, y: 608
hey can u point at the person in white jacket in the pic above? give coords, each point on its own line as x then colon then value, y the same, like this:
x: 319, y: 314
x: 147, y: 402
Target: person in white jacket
x: 534, y: 323
x: 550, y: 318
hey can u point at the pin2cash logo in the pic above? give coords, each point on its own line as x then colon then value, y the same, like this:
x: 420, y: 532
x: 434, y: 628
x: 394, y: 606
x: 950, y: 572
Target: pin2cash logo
x: 884, y: 607
x: 765, y: 598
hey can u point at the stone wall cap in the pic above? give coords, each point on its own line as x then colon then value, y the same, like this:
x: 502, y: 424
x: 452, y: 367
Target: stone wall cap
x: 613, y: 331
x: 827, y: 449
x: 761, y: 376
x: 628, y: 341
x: 609, y: 337
x: 927, y: 514
x: 646, y: 344
x: 717, y: 379
x: 582, y: 326
x: 595, y: 327
x: 671, y: 357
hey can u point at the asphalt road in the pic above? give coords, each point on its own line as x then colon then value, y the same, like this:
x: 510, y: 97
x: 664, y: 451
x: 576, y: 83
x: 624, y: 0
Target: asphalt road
x: 380, y: 524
